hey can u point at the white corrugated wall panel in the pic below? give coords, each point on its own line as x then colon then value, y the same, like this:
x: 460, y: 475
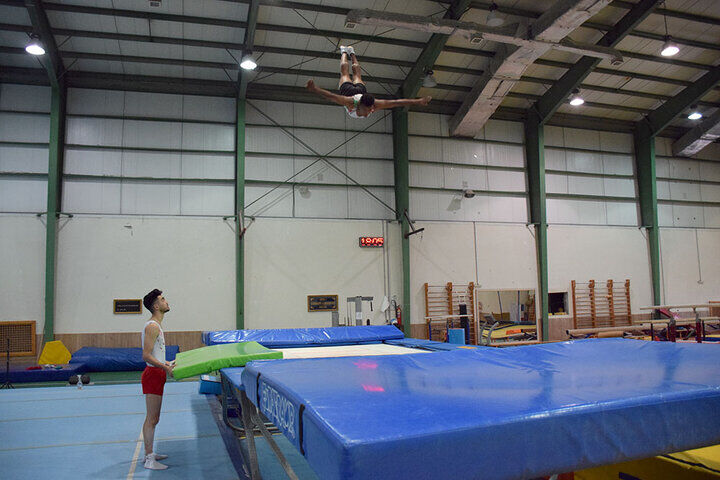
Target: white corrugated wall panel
x: 585, y: 185
x: 686, y: 169
x: 318, y: 116
x: 616, y: 142
x: 688, y: 216
x: 423, y: 148
x: 579, y: 212
x: 260, y: 201
x: 619, y: 187
x: 320, y: 141
x: 154, y: 198
x: 268, y: 167
x: 199, y: 136
x: 555, y: 159
x: 504, y: 131
x: 23, y: 194
x: 463, y: 151
x: 371, y: 172
x: 424, y: 124
x: 426, y: 175
x: 554, y: 137
x: 556, y: 183
x: 28, y: 98
x: 320, y: 172
x: 665, y: 215
x: 95, y: 102
x: 267, y: 140
x: 617, y: 164
x: 23, y: 158
x: 577, y: 138
x: 21, y: 127
x: 207, y: 198
x: 712, y: 217
x: 151, y: 164
x: 211, y: 109
x: 710, y: 193
x: 710, y: 171
x: 94, y: 131
x: 362, y: 205
x: 506, y: 181
x: 91, y: 196
x: 465, y: 177
x: 372, y: 145
x: 158, y: 105
x: 684, y: 191
x: 505, y: 155
x: 93, y: 162
x: 208, y: 165
x: 142, y: 134
x: 322, y: 202
x: 622, y: 213
x: 585, y: 162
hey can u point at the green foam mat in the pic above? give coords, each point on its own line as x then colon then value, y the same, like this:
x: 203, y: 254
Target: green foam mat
x: 207, y: 359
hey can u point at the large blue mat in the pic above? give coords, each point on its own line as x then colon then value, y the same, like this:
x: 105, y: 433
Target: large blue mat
x: 306, y: 337
x: 492, y: 413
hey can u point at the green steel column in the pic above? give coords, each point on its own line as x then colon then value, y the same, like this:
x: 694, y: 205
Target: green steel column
x: 54, y: 195
x: 239, y: 210
x: 647, y: 191
x: 535, y: 155
x: 402, y: 202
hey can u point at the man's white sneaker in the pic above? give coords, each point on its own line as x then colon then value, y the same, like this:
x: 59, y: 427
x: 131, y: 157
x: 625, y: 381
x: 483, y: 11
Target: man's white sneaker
x: 348, y: 50
x: 152, y: 464
x: 159, y: 456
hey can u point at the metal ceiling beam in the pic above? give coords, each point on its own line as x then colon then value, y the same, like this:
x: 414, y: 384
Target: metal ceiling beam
x: 510, y: 63
x: 475, y: 32
x: 51, y: 61
x: 699, y: 137
x: 672, y: 13
x: 661, y: 117
x: 428, y: 56
x: 557, y: 94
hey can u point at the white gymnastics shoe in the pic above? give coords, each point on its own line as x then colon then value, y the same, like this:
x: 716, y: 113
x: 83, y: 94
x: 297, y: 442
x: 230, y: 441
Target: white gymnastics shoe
x: 152, y: 464
x: 348, y: 50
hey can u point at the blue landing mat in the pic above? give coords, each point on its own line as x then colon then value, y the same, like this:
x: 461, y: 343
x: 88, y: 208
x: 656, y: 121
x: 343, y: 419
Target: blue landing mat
x: 306, y: 337
x: 491, y: 413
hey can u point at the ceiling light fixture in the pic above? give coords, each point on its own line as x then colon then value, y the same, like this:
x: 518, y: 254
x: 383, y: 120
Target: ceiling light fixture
x: 429, y: 80
x: 34, y: 47
x: 576, y: 99
x: 669, y: 48
x: 494, y: 19
x: 248, y: 62
x: 694, y: 113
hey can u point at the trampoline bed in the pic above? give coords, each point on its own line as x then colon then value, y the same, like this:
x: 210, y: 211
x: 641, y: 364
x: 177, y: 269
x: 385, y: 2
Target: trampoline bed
x: 490, y: 413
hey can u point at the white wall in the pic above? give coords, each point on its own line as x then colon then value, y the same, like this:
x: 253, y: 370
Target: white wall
x: 273, y: 155
x: 690, y: 263
x: 22, y: 271
x: 584, y: 253
x: 24, y: 136
x: 111, y: 147
x: 493, y: 164
x: 287, y: 260
x: 103, y: 258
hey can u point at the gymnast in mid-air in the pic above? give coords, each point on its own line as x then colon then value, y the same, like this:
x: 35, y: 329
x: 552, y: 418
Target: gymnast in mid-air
x: 353, y: 94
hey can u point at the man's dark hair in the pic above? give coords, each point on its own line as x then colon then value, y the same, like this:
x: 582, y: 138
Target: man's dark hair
x: 150, y: 298
x: 367, y: 100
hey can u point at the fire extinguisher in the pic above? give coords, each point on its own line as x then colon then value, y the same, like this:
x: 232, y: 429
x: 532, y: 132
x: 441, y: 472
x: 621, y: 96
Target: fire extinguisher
x: 398, y: 314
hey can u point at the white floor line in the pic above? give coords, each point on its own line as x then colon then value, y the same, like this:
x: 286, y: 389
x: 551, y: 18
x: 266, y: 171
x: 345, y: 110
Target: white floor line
x: 133, y: 464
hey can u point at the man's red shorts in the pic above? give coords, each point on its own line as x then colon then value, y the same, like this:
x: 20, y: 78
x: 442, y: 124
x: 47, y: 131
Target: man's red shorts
x: 153, y: 380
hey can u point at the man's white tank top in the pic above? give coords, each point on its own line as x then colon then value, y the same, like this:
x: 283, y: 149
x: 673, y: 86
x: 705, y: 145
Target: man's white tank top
x: 158, y: 350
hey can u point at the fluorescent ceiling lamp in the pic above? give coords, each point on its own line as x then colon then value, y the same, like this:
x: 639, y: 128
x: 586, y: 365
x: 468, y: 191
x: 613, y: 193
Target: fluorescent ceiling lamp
x: 669, y: 48
x: 695, y: 115
x: 576, y: 99
x: 429, y: 80
x: 35, y: 47
x: 248, y: 63
x: 493, y: 18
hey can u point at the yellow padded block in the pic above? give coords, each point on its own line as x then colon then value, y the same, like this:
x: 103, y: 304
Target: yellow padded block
x: 54, y: 353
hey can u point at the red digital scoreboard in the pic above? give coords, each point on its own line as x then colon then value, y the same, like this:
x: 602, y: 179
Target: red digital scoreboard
x: 372, y: 241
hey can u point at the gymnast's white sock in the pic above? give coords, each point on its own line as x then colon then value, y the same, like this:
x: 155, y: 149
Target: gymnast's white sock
x: 152, y: 464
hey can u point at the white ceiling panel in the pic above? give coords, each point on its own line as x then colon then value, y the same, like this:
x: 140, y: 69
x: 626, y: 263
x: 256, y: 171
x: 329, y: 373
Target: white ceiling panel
x: 14, y: 15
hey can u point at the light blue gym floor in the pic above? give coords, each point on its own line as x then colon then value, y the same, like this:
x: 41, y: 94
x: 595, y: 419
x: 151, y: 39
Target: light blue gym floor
x: 94, y: 433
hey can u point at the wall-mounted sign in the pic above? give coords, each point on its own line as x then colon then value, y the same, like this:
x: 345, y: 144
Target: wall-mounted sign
x: 127, y: 306
x: 372, y: 241
x: 322, y: 303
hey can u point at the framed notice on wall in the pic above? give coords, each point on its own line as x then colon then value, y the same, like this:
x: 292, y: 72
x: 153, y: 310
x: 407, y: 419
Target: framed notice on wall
x: 127, y: 306
x: 322, y: 303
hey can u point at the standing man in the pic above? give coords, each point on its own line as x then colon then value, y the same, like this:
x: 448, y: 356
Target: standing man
x: 353, y: 94
x: 155, y: 373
